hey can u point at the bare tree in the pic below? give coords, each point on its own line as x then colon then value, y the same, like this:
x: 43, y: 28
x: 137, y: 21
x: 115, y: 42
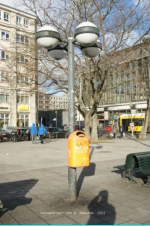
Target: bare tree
x: 122, y: 24
x: 143, y: 82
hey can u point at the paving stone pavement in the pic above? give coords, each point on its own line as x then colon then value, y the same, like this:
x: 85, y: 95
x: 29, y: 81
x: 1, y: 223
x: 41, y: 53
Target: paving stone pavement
x: 34, y: 185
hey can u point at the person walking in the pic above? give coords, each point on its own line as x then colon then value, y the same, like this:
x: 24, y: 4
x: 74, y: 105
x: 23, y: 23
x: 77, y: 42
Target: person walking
x: 114, y: 130
x: 77, y: 127
x: 33, y: 132
x: 121, y: 129
x: 108, y: 128
x: 62, y: 127
x: 41, y: 133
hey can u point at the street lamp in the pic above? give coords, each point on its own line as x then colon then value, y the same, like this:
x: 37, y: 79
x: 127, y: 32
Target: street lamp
x: 85, y: 37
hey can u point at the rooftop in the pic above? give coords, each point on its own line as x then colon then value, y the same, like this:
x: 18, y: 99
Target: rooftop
x: 14, y: 9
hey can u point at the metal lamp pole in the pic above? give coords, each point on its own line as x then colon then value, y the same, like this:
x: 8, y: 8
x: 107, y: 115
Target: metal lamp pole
x: 49, y: 38
x: 56, y: 123
x: 71, y: 103
x: 131, y: 118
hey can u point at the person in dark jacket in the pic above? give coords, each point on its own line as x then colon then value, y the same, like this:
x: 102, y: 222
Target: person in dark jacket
x: 42, y: 130
x: 62, y: 127
x: 33, y: 132
x: 121, y: 129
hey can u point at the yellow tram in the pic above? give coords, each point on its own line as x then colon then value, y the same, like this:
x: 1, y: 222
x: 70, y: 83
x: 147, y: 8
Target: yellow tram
x: 137, y: 119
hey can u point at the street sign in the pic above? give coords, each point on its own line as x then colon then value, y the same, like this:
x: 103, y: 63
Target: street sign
x: 132, y: 127
x: 119, y: 114
x: 132, y: 124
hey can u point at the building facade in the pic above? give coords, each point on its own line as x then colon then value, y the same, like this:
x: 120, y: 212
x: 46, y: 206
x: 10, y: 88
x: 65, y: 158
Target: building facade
x: 18, y: 99
x: 47, y: 102
x: 127, y: 86
x: 52, y: 109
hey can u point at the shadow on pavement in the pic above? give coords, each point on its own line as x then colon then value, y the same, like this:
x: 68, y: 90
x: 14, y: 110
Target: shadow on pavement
x: 137, y: 140
x: 98, y: 147
x: 12, y: 194
x: 87, y: 171
x: 99, y: 207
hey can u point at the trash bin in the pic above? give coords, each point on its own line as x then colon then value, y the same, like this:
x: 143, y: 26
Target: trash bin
x: 78, y: 149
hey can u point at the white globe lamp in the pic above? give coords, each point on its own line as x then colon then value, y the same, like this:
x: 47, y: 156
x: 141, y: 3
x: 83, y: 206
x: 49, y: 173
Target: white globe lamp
x: 86, y: 34
x: 47, y: 37
x: 58, y: 53
x: 92, y: 51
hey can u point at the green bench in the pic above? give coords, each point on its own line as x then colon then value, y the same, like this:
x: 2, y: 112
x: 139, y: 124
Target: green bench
x: 144, y: 165
x: 132, y: 162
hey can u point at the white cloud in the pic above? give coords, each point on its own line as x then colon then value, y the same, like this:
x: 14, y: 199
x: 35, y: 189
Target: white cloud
x: 131, y: 38
x: 141, y: 4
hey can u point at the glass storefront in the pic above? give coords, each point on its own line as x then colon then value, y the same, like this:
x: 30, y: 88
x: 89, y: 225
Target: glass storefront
x: 4, y: 121
x: 22, y: 120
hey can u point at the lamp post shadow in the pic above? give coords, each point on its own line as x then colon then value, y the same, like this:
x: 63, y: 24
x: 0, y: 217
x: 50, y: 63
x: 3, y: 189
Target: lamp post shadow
x: 86, y: 172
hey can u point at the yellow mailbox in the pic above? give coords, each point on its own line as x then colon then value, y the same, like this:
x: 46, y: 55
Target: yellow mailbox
x: 78, y: 149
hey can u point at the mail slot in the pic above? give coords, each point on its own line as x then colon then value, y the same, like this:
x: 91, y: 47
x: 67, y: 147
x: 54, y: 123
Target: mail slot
x: 78, y: 149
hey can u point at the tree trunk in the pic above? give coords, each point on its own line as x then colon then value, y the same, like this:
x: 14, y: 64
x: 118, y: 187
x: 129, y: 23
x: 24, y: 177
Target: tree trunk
x: 145, y: 124
x: 94, y: 133
x: 87, y: 124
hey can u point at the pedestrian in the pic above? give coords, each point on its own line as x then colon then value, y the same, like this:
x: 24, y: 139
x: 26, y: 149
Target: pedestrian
x: 114, y: 130
x: 41, y: 133
x: 33, y: 132
x: 62, y: 127
x: 76, y: 127
x: 121, y: 129
x: 108, y: 128
x: 50, y: 125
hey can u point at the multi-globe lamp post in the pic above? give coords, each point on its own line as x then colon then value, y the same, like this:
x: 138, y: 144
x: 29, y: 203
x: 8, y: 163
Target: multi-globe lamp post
x: 85, y: 37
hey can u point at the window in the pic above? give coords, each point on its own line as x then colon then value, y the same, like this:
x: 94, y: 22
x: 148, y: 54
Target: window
x: 4, y: 55
x: 4, y: 76
x: 47, y: 107
x: 47, y: 97
x: 5, y: 35
x: 26, y: 40
x: 41, y: 101
x: 23, y: 99
x: 40, y: 96
x: 4, y: 121
x: 4, y: 97
x: 22, y: 39
x: 22, y: 120
x: 26, y: 22
x: 22, y: 59
x: 21, y: 78
x: 41, y: 106
x: 46, y: 102
x: 18, y: 20
x: 6, y: 16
